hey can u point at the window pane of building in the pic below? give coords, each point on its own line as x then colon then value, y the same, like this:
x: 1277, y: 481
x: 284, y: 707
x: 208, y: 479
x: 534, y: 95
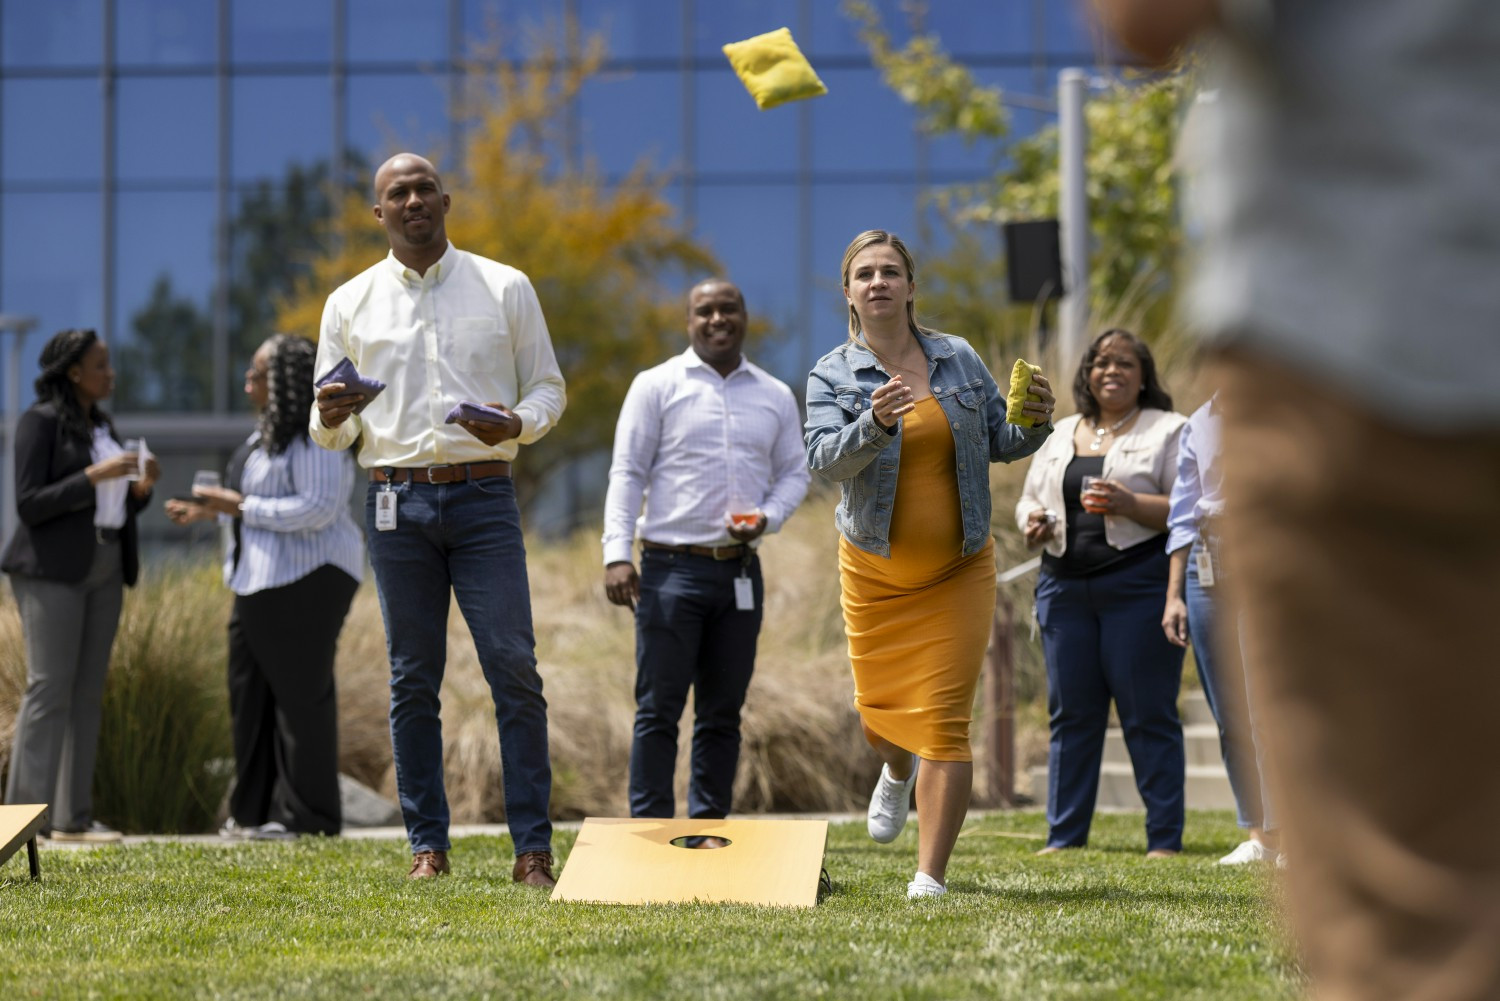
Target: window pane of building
x: 164, y: 269
x: 628, y: 117
x: 391, y: 112
x: 635, y: 29
x: 167, y: 129
x: 53, y: 131
x: 736, y: 137
x: 387, y: 31
x: 278, y: 121
x: 282, y: 31
x: 753, y: 229
x: 166, y: 32
x: 50, y: 265
x: 57, y: 33
x: 861, y: 126
x: 724, y: 21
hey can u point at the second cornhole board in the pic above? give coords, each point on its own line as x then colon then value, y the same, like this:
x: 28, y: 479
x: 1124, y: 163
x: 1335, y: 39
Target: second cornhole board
x: 633, y: 861
x: 19, y: 824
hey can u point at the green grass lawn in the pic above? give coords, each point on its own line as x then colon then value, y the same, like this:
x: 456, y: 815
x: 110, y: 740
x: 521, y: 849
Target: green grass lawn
x: 336, y: 919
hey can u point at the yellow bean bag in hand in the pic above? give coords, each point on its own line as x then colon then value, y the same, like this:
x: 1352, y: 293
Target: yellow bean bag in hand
x: 1020, y: 379
x: 773, y: 69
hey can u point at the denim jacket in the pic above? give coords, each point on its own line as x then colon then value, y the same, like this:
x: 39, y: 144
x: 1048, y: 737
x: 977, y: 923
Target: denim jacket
x: 845, y: 444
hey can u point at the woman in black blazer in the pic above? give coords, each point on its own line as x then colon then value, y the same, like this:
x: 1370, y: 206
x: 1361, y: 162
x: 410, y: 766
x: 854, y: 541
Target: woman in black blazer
x: 69, y: 561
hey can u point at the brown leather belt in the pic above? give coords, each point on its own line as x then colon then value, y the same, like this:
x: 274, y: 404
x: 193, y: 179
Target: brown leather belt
x: 712, y: 552
x: 440, y: 474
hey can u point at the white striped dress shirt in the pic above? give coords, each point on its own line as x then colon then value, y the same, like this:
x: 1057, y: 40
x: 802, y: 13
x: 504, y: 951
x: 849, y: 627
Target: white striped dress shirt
x: 691, y: 442
x: 294, y: 518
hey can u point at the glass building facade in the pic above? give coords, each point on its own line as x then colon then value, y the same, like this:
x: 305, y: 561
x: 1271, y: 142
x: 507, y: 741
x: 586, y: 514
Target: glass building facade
x: 132, y: 131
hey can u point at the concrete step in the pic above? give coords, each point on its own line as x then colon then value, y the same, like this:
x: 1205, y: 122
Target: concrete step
x: 1193, y: 707
x: 1206, y: 788
x: 1200, y: 743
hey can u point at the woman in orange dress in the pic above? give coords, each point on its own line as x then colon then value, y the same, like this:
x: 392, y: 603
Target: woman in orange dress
x: 907, y: 420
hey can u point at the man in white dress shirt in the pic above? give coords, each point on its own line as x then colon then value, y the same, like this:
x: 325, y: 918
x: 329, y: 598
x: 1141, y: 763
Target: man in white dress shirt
x: 438, y: 326
x: 713, y: 444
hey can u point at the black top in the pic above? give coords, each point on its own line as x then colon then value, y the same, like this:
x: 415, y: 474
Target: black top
x: 56, y: 501
x: 1088, y: 550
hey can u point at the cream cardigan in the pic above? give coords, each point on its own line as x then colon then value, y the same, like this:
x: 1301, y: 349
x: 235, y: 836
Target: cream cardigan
x: 1143, y: 459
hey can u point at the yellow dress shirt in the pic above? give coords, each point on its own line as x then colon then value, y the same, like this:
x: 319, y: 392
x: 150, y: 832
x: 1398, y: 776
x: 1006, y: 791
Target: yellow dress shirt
x: 469, y: 329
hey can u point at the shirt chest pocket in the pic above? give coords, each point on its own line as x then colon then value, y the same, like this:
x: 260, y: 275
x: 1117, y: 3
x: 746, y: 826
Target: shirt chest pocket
x: 971, y: 414
x: 476, y: 343
x: 852, y: 402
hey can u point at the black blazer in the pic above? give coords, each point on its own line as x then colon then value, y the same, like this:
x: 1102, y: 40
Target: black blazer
x: 55, y: 500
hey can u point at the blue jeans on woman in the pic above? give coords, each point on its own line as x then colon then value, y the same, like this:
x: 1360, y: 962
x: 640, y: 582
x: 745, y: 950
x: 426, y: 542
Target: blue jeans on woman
x: 1221, y: 669
x: 465, y: 536
x: 1103, y: 640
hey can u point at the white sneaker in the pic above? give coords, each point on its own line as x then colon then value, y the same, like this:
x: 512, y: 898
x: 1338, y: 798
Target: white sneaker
x: 889, y: 803
x: 1248, y: 852
x: 272, y: 830
x: 924, y: 886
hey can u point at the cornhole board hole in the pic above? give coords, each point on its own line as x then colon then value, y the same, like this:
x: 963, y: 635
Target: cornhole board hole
x: 19, y: 823
x: 634, y: 861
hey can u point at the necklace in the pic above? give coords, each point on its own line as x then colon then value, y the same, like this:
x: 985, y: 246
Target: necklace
x: 906, y: 353
x: 1100, y: 432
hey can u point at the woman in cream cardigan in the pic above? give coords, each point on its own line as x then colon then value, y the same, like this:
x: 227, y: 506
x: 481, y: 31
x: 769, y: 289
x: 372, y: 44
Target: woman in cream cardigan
x: 1099, y: 597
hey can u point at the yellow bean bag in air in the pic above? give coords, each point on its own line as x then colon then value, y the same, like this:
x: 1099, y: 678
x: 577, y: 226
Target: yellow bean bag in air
x: 1020, y: 378
x: 773, y: 69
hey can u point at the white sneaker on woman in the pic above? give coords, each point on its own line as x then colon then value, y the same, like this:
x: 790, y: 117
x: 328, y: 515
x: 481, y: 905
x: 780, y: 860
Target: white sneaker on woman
x: 924, y: 886
x: 1248, y: 852
x: 889, y: 803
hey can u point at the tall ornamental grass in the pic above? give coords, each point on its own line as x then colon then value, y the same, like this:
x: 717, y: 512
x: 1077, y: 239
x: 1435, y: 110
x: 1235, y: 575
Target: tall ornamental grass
x: 164, y: 753
x: 164, y: 742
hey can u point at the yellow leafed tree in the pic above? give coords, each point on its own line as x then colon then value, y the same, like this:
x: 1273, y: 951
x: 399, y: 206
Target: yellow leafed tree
x: 609, y: 262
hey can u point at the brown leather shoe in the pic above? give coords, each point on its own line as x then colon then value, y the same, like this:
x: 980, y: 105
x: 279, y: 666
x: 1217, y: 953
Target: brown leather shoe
x: 534, y: 869
x: 425, y: 865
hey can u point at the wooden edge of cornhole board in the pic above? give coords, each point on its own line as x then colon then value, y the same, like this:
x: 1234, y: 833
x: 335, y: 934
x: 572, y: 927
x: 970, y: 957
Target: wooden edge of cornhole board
x: 633, y: 861
x: 19, y: 824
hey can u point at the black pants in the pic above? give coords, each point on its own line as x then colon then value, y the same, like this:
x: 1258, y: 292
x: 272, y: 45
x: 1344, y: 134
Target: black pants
x: 281, y: 698
x: 688, y: 634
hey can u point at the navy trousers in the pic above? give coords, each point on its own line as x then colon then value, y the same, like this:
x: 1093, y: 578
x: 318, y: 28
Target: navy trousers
x: 690, y: 635
x: 1103, y: 640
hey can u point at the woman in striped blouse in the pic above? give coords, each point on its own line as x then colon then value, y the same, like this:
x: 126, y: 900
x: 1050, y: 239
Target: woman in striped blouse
x: 294, y: 564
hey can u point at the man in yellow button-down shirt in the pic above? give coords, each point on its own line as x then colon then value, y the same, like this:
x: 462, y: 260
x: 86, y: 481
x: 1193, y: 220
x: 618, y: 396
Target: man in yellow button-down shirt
x: 439, y: 326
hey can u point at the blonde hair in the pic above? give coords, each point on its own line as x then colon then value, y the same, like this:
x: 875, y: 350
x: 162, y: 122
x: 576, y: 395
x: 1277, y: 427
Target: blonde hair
x: 873, y: 238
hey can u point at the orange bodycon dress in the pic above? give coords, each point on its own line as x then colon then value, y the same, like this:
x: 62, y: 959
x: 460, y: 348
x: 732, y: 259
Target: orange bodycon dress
x: 918, y: 623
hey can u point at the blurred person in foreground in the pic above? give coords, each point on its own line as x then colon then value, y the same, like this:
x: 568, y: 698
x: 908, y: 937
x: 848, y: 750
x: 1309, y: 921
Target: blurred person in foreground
x: 1095, y: 499
x: 1348, y: 285
x: 77, y: 493
x: 1195, y: 613
x: 712, y: 444
x: 907, y: 421
x: 294, y: 565
x: 441, y: 326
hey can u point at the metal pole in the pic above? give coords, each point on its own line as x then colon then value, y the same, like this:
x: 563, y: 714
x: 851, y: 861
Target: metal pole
x: 1073, y: 215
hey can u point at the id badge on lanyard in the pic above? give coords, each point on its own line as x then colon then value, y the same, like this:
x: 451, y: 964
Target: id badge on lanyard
x: 744, y: 588
x: 385, y: 508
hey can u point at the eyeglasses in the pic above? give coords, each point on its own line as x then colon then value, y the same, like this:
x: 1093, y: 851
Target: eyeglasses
x: 1105, y: 361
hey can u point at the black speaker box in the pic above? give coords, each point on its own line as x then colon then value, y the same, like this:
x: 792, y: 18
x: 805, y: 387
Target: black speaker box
x: 1033, y: 263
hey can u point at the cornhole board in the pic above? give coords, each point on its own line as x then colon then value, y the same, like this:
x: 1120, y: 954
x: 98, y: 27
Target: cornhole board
x: 19, y: 824
x: 633, y: 861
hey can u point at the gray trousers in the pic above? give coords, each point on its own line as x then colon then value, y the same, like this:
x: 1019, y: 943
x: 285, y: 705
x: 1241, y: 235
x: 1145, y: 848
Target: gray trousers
x: 69, y: 630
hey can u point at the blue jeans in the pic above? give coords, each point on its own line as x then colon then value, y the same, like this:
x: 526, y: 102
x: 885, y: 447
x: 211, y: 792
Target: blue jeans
x: 1102, y: 638
x: 1221, y: 668
x: 465, y: 536
x: 689, y: 634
